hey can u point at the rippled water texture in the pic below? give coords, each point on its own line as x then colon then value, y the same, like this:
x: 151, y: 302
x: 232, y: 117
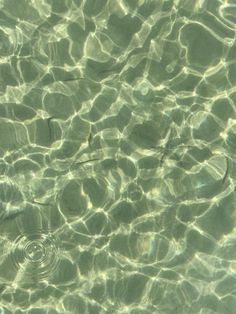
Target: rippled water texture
x: 117, y: 147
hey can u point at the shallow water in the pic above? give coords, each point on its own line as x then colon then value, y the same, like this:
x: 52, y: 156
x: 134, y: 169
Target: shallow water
x: 117, y: 148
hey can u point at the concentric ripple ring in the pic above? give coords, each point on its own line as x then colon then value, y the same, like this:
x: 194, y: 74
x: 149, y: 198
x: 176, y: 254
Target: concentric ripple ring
x: 35, y: 254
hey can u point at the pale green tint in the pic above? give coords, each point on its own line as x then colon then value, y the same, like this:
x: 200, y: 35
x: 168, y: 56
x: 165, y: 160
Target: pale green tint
x: 117, y: 148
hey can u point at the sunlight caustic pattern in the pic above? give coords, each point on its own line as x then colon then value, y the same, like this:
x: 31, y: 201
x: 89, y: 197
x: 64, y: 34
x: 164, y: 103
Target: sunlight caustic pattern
x: 117, y: 156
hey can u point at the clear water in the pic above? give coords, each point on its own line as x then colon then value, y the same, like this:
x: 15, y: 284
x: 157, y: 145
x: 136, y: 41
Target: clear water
x: 117, y: 156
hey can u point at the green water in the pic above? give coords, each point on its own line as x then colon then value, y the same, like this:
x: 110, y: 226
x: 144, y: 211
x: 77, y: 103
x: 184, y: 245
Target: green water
x: 117, y: 156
